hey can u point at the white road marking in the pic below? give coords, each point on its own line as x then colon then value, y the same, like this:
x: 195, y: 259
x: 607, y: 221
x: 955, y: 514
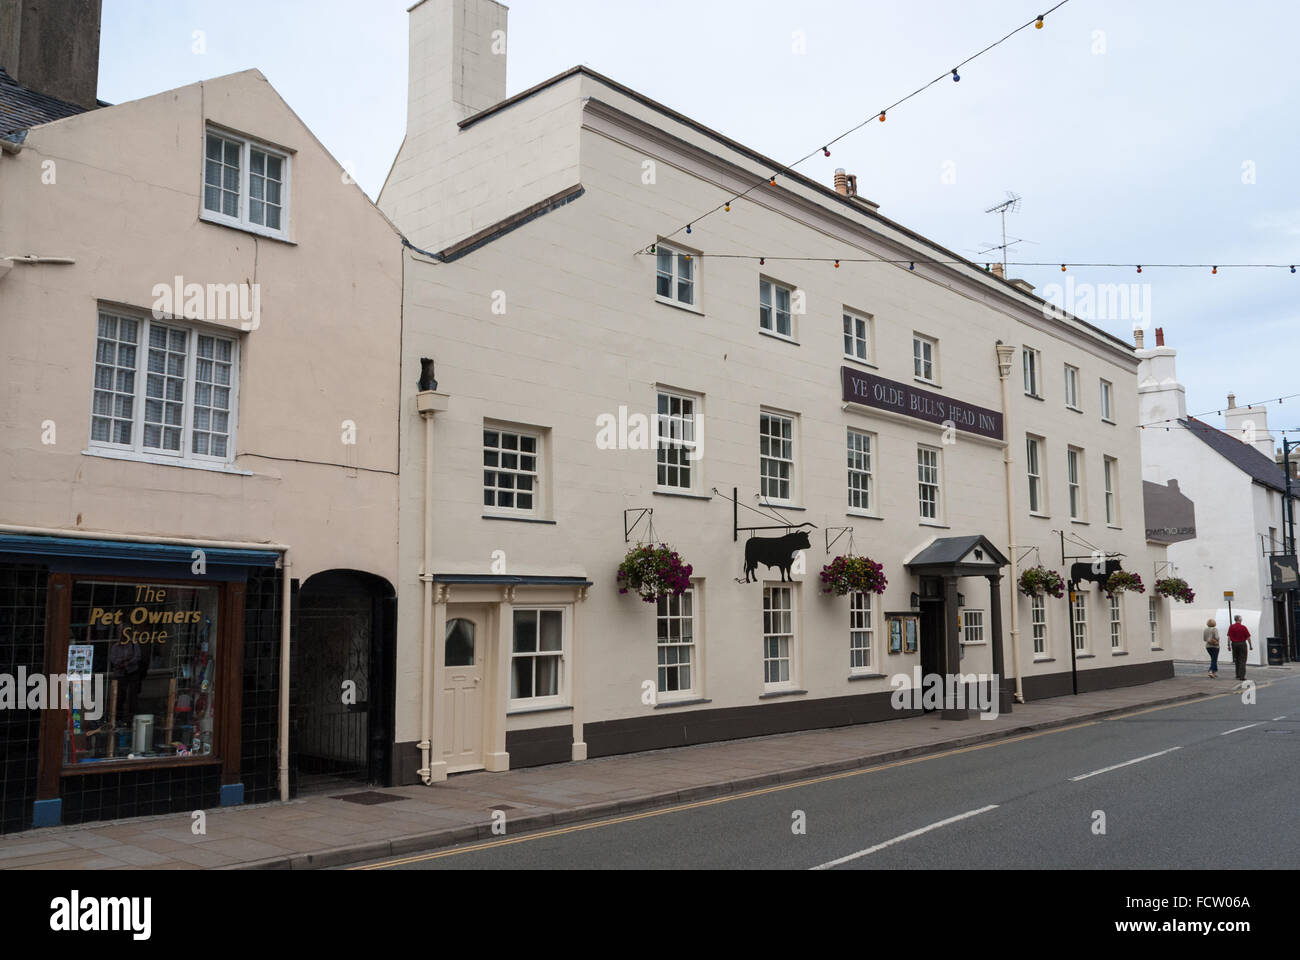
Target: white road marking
x: 1235, y: 729
x: 1276, y: 719
x: 905, y: 836
x: 1149, y: 756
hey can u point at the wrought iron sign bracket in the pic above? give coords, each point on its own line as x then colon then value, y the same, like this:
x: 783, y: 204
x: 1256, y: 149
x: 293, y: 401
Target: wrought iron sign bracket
x: 839, y: 532
x: 642, y: 513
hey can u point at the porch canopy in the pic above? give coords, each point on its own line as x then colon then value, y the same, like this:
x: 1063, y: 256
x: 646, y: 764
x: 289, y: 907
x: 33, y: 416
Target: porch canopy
x: 951, y: 558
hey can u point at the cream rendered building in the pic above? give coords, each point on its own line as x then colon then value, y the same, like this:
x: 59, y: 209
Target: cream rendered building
x: 200, y: 320
x: 531, y: 285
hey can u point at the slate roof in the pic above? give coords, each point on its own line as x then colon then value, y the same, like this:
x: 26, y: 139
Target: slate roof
x: 1243, y: 456
x: 21, y: 108
x: 950, y: 550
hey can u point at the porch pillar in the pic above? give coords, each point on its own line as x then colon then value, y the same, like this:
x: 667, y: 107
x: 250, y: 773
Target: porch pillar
x: 1004, y: 686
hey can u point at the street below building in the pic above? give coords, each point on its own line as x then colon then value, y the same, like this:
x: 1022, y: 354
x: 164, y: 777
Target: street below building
x: 1208, y: 784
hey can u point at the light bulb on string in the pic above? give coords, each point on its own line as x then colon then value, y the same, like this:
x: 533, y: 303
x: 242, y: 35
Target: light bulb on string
x: 911, y: 266
x: 726, y: 207
x: 1063, y: 268
x: 1139, y: 268
x: 837, y: 264
x: 826, y: 150
x: 1293, y: 268
x: 956, y: 77
x: 688, y: 228
x: 1214, y: 270
x: 652, y: 248
x: 882, y: 116
x: 772, y: 182
x: 1038, y: 24
x: 762, y: 261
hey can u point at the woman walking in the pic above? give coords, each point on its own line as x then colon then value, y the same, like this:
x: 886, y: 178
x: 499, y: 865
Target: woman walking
x: 1211, y: 637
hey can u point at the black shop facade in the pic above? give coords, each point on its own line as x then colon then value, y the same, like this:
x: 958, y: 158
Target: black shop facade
x: 135, y: 678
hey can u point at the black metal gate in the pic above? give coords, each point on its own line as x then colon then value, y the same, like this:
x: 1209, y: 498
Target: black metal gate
x: 338, y: 668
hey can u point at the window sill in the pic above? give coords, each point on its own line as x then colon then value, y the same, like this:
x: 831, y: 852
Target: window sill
x: 683, y: 495
x: 863, y: 515
x: 778, y: 336
x: 1082, y: 522
x: 1044, y: 659
x: 1035, y: 396
x: 928, y: 383
x: 166, y: 461
x: 205, y: 217
x: 1113, y: 526
x: 861, y: 363
x: 1108, y: 420
x: 782, y: 506
x: 1119, y: 653
x: 553, y: 708
x: 773, y: 694
x: 1085, y: 656
x: 1074, y: 409
x: 933, y: 523
x: 866, y: 676
x: 1040, y: 515
x: 973, y: 643
x: 694, y: 701
x: 144, y: 763
x: 1157, y: 648
x: 689, y: 308
x: 502, y: 516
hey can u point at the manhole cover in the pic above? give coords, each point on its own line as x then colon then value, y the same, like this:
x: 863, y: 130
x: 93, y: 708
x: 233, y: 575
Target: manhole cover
x: 369, y: 798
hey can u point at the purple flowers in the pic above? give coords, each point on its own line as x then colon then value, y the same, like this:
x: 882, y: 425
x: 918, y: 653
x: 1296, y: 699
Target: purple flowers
x: 1176, y: 588
x: 1036, y: 581
x: 853, y: 575
x: 654, y: 572
x: 1122, y: 580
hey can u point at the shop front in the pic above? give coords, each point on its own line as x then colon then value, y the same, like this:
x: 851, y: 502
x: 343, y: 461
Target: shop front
x: 141, y: 678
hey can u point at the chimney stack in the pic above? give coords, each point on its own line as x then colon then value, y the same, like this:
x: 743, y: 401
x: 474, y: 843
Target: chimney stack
x: 1138, y: 337
x: 997, y: 271
x: 846, y: 184
x: 1160, y: 336
x: 1232, y: 401
x: 52, y: 47
x: 1249, y: 425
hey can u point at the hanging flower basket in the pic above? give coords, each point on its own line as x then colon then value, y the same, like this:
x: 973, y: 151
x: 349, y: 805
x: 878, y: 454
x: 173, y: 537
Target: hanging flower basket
x: 1175, y: 588
x: 1122, y: 580
x: 1039, y: 581
x: 653, y: 571
x: 847, y: 574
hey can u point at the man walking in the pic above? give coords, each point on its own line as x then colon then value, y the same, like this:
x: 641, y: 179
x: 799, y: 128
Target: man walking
x: 1239, y: 638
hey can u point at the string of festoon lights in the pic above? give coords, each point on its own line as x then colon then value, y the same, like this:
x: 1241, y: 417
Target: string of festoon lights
x: 1171, y: 422
x: 825, y: 148
x: 911, y: 263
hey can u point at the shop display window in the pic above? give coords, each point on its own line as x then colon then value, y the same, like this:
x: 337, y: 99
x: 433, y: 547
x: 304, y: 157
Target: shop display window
x: 155, y: 644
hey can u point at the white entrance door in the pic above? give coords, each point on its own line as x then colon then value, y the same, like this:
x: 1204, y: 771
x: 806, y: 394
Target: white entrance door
x: 463, y: 694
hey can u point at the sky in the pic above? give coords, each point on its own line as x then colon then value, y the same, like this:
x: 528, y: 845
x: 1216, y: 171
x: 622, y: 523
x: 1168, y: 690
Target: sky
x: 1163, y: 131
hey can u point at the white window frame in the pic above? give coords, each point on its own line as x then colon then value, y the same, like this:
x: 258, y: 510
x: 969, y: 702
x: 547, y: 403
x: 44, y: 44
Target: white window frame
x: 1153, y: 620
x: 770, y: 632
x: 858, y: 336
x: 561, y: 697
x: 136, y: 449
x: 972, y: 627
x: 920, y: 361
x: 765, y: 439
x: 242, y: 221
x: 862, y: 633
x: 1109, y: 469
x: 538, y: 477
x: 922, y: 450
x: 1074, y: 483
x: 1034, y: 472
x: 1079, y: 621
x: 1038, y: 627
x: 1072, y: 387
x: 684, y: 611
x: 1117, y: 622
x: 681, y: 431
x: 1107, y: 401
x: 679, y: 256
x: 860, y: 448
x: 769, y: 323
x: 1032, y: 362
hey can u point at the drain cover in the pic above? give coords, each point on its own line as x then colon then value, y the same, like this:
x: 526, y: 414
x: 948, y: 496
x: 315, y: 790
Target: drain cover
x: 369, y: 798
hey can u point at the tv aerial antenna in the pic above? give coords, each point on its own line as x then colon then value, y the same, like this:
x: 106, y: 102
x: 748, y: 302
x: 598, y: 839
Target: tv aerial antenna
x: 1010, y: 205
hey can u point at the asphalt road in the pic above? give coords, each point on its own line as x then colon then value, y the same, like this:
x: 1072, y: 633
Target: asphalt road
x: 1210, y: 784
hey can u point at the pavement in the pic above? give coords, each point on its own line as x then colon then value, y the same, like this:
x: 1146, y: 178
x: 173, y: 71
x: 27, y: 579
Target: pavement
x: 325, y: 831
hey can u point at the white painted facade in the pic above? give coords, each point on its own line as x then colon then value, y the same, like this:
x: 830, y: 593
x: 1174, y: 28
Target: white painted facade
x: 546, y: 327
x: 1235, y: 515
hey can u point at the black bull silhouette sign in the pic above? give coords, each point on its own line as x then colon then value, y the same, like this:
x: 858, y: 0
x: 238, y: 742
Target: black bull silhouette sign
x: 774, y: 552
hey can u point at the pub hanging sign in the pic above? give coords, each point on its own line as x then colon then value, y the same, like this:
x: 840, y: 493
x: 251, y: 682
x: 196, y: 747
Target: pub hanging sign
x: 872, y: 391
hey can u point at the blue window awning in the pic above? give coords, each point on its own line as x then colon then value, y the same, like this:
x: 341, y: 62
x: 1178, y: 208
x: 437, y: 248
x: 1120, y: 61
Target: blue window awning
x: 77, y: 548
